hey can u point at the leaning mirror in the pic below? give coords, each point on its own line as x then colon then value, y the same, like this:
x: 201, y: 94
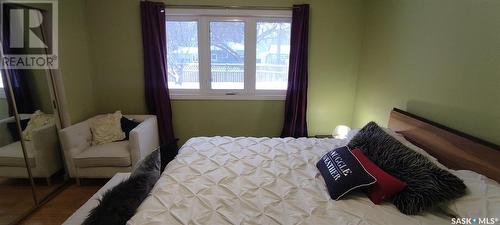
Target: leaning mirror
x: 16, y: 190
x: 30, y: 153
x: 39, y: 135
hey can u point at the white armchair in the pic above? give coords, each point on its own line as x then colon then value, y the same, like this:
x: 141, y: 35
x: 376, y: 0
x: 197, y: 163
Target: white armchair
x: 85, y: 160
x: 43, y: 152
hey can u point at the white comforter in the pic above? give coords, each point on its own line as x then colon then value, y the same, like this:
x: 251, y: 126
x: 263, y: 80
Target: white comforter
x: 223, y: 180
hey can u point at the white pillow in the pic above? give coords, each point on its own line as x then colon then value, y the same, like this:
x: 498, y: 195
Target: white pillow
x: 37, y: 120
x: 482, y: 199
x: 106, y: 128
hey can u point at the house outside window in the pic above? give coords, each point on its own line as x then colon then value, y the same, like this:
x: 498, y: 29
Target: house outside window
x: 228, y: 54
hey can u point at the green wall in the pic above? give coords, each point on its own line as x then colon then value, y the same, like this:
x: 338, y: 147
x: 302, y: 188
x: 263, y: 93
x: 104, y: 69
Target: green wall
x: 437, y: 59
x: 116, y: 52
x: 4, y: 110
x: 39, y: 89
x: 74, y: 60
x: 233, y: 118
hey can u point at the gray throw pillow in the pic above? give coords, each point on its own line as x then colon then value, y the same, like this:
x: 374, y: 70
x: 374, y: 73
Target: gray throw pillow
x: 119, y: 204
x: 150, y: 164
x: 428, y: 185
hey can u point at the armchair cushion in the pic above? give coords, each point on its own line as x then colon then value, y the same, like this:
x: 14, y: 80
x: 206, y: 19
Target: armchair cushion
x: 109, y: 154
x: 12, y: 155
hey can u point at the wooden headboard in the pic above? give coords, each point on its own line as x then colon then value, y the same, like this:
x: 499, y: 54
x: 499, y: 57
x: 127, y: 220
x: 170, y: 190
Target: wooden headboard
x: 452, y: 148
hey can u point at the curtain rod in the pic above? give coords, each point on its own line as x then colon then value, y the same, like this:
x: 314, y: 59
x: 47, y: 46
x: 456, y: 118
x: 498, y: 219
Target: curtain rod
x: 227, y: 7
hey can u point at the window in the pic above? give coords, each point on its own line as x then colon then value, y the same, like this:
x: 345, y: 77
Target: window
x: 273, y: 50
x: 182, y: 55
x: 2, y: 92
x: 227, y: 50
x: 228, y: 54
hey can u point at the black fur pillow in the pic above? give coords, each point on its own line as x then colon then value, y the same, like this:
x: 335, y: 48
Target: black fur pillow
x: 119, y: 204
x: 428, y: 185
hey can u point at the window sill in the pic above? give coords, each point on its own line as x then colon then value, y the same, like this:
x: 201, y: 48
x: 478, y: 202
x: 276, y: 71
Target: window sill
x: 228, y: 97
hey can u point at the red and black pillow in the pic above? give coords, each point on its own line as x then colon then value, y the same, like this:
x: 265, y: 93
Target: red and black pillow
x: 343, y: 172
x: 386, y: 185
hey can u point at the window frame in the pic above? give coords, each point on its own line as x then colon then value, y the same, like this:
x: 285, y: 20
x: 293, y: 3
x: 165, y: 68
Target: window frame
x: 250, y: 18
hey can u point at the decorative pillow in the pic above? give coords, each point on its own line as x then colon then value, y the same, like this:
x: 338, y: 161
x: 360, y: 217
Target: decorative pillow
x: 149, y: 164
x: 428, y: 185
x: 37, y: 120
x: 128, y: 125
x: 342, y: 172
x: 403, y: 140
x: 119, y: 204
x: 14, y: 132
x: 106, y: 128
x: 386, y: 185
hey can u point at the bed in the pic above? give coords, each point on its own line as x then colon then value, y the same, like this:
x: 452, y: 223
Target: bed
x: 225, y: 180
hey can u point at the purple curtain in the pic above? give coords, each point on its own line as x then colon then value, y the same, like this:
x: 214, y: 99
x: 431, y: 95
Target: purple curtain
x: 155, y: 68
x: 22, y: 93
x: 19, y: 83
x: 295, y: 124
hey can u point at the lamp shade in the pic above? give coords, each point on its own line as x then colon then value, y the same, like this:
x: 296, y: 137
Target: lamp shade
x: 341, y: 131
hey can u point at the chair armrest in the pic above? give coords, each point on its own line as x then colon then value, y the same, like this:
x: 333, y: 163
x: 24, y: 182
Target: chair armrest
x: 45, y: 136
x: 74, y: 139
x: 46, y: 148
x: 5, y: 135
x: 143, y: 139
